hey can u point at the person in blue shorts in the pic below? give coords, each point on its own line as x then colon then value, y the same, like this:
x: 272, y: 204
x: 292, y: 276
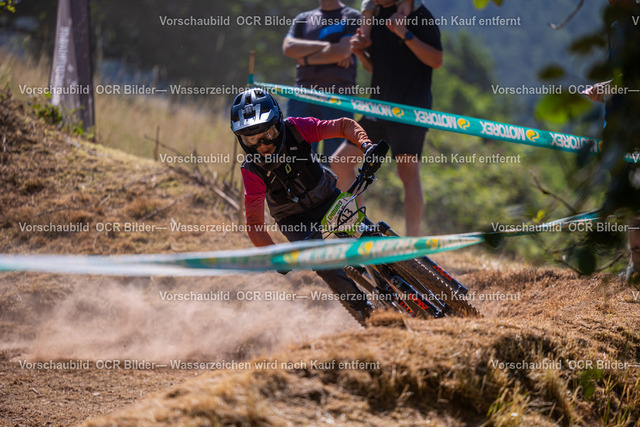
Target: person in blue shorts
x: 319, y: 41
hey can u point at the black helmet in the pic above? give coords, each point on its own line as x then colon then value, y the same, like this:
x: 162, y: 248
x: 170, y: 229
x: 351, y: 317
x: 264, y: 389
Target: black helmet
x: 255, y: 111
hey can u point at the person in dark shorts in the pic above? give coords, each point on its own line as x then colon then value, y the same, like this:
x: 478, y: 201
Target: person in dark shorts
x: 299, y: 191
x: 401, y: 58
x: 319, y: 41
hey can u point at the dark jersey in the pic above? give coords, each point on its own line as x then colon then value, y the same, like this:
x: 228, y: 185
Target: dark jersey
x: 298, y: 185
x: 330, y: 26
x: 400, y: 75
x: 301, y: 185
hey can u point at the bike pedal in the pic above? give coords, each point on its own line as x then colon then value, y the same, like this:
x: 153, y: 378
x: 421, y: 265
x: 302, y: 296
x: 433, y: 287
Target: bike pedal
x: 366, y: 312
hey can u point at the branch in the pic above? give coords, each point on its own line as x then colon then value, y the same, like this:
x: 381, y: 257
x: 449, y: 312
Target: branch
x: 203, y: 181
x: 196, y: 175
x: 162, y: 145
x: 555, y: 196
x: 620, y: 255
x: 569, y: 18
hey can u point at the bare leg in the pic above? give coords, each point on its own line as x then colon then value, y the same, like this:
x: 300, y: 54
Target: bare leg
x: 409, y: 172
x: 343, y: 163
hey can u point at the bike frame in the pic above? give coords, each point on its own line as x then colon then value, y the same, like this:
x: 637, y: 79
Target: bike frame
x: 383, y: 278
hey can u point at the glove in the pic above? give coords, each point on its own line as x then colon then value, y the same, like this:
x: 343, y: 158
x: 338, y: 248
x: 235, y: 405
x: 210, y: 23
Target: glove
x: 369, y: 165
x: 369, y: 154
x: 366, y: 146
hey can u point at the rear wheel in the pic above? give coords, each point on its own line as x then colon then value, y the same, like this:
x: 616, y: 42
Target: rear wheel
x: 419, y: 304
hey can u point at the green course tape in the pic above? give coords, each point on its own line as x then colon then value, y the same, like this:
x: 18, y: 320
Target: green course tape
x: 314, y: 254
x: 443, y: 121
x: 317, y: 255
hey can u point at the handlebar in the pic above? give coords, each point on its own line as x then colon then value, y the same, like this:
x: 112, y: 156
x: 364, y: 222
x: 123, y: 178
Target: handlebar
x: 374, y: 157
x: 373, y: 160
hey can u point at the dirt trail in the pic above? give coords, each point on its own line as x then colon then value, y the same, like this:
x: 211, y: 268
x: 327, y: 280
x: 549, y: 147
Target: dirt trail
x: 123, y: 338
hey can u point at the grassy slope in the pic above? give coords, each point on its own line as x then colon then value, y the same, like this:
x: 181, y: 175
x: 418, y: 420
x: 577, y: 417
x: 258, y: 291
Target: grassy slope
x: 126, y: 121
x: 442, y: 370
x: 435, y: 370
x: 51, y: 177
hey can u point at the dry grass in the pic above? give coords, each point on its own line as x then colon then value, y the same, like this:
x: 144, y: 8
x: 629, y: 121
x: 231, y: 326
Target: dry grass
x: 447, y: 371
x: 15, y: 71
x: 48, y: 179
x: 123, y: 121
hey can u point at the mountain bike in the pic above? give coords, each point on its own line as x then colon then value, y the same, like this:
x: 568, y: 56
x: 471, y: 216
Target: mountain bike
x: 418, y: 287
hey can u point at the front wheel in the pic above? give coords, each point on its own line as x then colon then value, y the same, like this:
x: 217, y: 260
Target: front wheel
x: 389, y: 290
x: 430, y: 282
x: 380, y: 298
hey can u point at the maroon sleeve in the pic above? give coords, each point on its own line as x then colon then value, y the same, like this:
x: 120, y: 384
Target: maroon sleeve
x: 314, y: 130
x: 254, y: 194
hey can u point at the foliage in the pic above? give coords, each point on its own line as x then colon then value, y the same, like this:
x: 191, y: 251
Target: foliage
x: 208, y: 54
x: 622, y: 133
x: 218, y: 54
x: 560, y: 108
x: 480, y: 4
x: 51, y: 114
x: 47, y: 112
x: 7, y: 6
x: 77, y: 129
x: 472, y: 196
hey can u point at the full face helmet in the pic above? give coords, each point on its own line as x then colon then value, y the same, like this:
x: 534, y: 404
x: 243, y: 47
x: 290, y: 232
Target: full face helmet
x: 256, y: 119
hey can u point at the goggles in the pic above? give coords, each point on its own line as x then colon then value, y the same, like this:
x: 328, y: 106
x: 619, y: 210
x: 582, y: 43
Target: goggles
x: 267, y: 137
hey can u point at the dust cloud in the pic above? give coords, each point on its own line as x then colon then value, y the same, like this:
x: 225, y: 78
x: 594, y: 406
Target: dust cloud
x: 144, y: 319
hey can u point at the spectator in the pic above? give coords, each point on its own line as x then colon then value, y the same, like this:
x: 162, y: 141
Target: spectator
x: 370, y: 10
x: 401, y: 59
x: 319, y: 42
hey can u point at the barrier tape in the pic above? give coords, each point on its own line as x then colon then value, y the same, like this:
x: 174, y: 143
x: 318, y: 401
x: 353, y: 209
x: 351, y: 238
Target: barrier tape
x: 314, y: 254
x: 443, y: 121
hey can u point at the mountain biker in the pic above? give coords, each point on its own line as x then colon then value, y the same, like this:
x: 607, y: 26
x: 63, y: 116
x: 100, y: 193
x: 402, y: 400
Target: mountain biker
x: 280, y: 167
